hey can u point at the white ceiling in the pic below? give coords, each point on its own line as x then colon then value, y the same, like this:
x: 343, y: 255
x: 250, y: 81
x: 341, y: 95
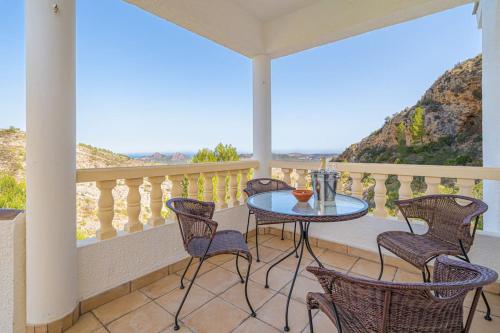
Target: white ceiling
x: 266, y: 10
x: 283, y: 27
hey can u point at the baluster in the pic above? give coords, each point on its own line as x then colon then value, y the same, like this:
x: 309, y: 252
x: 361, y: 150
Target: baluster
x: 156, y: 201
x: 233, y: 188
x: 432, y: 185
x: 221, y: 190
x: 357, y: 187
x: 340, y: 183
x: 176, y: 189
x: 244, y: 180
x: 193, y: 186
x: 465, y: 186
x: 286, y: 175
x: 301, y: 182
x: 380, y: 195
x: 208, y: 188
x: 133, y: 205
x: 404, y: 190
x: 106, y: 209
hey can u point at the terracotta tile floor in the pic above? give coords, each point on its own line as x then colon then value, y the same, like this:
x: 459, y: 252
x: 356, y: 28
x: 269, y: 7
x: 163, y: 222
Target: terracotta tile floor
x: 216, y: 303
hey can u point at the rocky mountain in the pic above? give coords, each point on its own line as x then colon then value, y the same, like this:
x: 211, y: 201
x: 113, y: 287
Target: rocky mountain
x: 444, y: 127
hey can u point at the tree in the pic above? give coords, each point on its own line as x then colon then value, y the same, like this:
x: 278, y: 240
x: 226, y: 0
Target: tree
x: 417, y: 126
x: 204, y: 155
x: 401, y: 134
x: 224, y: 153
x: 221, y: 153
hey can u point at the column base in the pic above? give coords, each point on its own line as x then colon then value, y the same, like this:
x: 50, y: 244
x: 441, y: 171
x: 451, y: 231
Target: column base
x: 57, y: 326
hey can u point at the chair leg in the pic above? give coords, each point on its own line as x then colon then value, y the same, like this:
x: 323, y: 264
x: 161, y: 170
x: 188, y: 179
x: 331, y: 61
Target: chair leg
x: 294, y: 239
x: 311, y: 328
x: 238, y: 267
x: 185, y: 271
x: 283, y: 232
x: 176, y: 326
x: 257, y: 240
x: 252, y: 311
x: 248, y: 225
x: 381, y: 263
x: 487, y: 316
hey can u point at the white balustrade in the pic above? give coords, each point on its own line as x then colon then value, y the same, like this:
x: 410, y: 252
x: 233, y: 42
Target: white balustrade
x: 193, y: 186
x: 208, y: 186
x: 106, y: 209
x: 432, y: 185
x: 404, y: 190
x: 380, y: 195
x: 133, y: 205
x: 357, y: 187
x: 287, y: 175
x: 302, y: 182
x: 177, y: 189
x: 233, y: 189
x: 432, y: 175
x: 221, y: 190
x: 106, y: 180
x: 156, y: 201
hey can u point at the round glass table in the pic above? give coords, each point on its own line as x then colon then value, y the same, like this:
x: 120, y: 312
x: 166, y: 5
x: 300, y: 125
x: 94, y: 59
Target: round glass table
x: 284, y: 206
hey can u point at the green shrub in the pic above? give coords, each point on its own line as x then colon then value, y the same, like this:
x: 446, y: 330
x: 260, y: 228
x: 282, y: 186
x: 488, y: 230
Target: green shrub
x: 12, y: 193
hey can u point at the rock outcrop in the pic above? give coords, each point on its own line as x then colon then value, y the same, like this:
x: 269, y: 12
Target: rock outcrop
x: 452, y: 125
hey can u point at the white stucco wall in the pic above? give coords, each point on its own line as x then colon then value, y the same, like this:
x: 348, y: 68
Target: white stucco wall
x: 107, y: 264
x: 12, y: 275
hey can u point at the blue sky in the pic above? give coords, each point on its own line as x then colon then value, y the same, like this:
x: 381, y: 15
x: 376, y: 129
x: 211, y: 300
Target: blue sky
x: 146, y: 85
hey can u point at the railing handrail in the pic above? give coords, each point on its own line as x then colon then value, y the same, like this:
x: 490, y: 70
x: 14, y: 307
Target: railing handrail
x: 441, y: 171
x: 9, y: 214
x: 103, y: 174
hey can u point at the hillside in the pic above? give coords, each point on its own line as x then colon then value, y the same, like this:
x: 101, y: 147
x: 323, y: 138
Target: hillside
x: 12, y: 163
x: 444, y: 127
x: 12, y: 155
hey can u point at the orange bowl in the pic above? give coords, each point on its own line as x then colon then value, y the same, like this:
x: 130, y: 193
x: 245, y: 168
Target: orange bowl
x: 302, y: 195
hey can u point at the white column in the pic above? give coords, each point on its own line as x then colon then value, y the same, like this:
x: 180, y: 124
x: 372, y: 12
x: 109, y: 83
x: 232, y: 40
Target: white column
x: 262, y: 114
x: 489, y: 18
x: 51, y: 257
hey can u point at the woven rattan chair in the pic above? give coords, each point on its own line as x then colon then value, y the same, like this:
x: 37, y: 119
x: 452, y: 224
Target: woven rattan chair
x: 452, y: 222
x: 202, y: 240
x: 358, y: 305
x: 260, y: 185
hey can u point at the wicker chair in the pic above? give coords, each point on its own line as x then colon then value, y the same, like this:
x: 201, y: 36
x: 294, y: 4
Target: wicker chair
x: 260, y: 185
x: 449, y: 218
x: 202, y: 240
x: 358, y: 305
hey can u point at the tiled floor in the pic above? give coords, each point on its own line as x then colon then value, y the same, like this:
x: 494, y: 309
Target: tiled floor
x: 216, y: 303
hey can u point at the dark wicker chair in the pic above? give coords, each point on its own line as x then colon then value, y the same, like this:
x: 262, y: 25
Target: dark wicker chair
x: 260, y: 185
x: 358, y: 305
x: 202, y: 240
x: 452, y: 222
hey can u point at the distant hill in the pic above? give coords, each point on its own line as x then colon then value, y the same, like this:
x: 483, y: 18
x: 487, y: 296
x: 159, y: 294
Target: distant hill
x: 295, y: 156
x: 12, y: 155
x: 451, y: 124
x: 174, y: 158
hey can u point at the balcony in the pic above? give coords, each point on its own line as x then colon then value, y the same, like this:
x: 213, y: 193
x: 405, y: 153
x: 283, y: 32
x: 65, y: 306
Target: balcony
x: 126, y: 277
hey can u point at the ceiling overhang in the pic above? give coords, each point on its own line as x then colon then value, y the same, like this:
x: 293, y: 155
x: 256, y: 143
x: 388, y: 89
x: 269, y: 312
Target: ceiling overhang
x: 283, y: 27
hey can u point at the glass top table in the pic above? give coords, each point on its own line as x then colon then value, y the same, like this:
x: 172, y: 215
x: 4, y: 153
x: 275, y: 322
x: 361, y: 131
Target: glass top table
x: 282, y: 205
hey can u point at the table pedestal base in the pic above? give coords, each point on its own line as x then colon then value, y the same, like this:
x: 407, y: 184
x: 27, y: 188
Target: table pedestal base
x: 303, y: 241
